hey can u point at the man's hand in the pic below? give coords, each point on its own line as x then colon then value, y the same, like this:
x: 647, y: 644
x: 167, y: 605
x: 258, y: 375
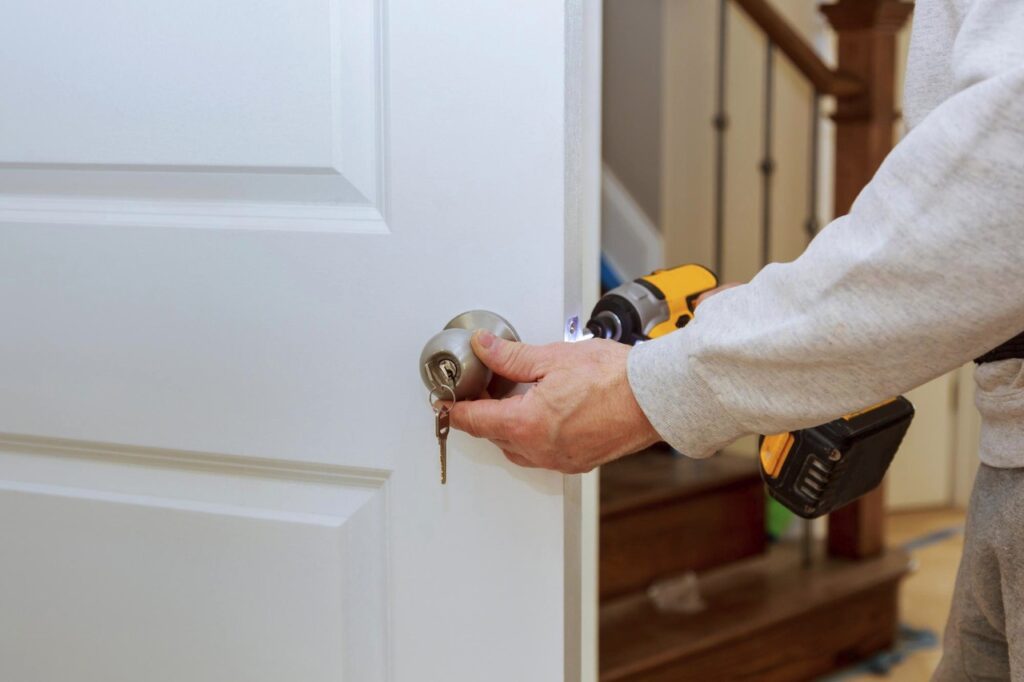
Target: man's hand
x: 580, y: 414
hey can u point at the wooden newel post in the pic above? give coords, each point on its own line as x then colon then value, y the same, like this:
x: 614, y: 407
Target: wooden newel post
x: 867, y: 32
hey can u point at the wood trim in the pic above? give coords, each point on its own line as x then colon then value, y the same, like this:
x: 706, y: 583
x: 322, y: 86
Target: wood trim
x: 866, y: 32
x: 825, y: 79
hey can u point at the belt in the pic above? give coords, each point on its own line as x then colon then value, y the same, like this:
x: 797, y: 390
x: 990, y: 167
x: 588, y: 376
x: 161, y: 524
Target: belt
x: 1014, y: 348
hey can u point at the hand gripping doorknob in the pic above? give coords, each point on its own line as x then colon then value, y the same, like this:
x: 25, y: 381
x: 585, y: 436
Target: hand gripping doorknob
x: 451, y: 370
x: 448, y: 362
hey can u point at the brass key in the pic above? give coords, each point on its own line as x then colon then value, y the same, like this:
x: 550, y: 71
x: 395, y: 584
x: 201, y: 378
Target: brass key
x: 441, y: 427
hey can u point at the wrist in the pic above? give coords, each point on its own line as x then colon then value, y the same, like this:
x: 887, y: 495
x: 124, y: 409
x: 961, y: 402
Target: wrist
x: 676, y: 400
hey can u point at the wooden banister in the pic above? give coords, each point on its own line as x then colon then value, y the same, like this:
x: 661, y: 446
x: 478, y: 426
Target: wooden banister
x: 866, y: 31
x: 864, y: 86
x: 825, y: 79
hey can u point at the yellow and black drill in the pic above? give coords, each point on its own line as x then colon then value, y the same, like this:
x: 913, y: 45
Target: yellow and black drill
x: 813, y: 471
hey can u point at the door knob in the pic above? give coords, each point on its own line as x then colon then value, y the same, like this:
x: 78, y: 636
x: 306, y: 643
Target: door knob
x: 448, y: 362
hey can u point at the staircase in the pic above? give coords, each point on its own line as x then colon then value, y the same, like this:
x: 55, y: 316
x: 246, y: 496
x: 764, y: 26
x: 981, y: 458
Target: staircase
x: 663, y: 514
x: 765, y: 617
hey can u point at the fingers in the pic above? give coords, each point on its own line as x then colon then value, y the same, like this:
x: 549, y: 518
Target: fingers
x: 519, y: 362
x: 518, y: 459
x: 512, y: 455
x: 491, y: 419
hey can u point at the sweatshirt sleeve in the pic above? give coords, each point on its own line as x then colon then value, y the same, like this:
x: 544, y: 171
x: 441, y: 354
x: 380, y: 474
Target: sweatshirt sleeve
x: 925, y: 273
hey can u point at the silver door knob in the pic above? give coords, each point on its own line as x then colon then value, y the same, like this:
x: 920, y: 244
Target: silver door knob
x: 448, y: 362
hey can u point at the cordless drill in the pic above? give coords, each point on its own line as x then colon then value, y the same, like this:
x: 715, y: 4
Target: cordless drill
x: 811, y: 472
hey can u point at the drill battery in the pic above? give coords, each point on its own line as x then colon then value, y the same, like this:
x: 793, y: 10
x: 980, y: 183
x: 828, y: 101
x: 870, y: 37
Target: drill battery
x: 815, y: 471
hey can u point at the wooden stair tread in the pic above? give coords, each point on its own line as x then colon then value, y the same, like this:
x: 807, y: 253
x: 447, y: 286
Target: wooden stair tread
x: 653, y: 477
x: 742, y: 600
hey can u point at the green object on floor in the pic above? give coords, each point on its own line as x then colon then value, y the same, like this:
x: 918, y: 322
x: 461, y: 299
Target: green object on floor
x: 778, y: 519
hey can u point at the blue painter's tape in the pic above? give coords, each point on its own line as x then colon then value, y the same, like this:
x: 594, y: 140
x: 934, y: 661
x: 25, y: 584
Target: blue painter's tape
x: 609, y: 278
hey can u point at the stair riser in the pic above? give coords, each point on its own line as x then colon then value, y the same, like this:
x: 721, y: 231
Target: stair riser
x: 696, y: 533
x: 805, y: 647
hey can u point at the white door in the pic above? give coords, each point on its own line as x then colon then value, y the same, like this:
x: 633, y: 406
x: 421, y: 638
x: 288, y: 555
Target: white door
x: 227, y: 227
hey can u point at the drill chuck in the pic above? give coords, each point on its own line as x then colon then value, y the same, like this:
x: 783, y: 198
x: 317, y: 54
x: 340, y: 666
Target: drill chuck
x: 605, y: 325
x: 628, y: 313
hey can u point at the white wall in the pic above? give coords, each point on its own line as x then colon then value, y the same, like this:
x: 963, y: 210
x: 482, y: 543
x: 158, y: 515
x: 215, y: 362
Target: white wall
x: 631, y: 101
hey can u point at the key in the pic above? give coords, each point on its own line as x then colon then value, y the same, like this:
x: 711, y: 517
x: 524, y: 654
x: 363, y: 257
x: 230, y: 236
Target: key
x: 441, y: 427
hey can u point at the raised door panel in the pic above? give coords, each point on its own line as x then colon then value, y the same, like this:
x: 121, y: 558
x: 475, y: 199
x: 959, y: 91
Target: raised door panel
x: 226, y: 114
x: 136, y: 564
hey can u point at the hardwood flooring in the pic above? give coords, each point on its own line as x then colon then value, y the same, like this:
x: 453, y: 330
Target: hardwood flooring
x: 928, y: 591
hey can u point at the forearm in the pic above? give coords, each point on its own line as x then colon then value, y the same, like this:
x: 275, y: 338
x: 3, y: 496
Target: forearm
x: 925, y: 273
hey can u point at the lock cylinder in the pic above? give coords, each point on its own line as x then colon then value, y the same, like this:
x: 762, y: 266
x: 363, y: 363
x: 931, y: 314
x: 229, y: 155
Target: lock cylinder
x: 448, y: 360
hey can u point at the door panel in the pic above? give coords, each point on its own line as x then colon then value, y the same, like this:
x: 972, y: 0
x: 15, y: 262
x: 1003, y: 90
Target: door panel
x: 228, y: 114
x: 105, y: 578
x: 226, y: 230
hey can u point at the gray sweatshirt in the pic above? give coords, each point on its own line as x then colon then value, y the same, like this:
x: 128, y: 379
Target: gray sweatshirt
x: 925, y: 273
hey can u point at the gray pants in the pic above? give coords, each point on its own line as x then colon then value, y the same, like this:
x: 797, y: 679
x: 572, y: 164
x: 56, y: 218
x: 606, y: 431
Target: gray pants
x: 985, y: 634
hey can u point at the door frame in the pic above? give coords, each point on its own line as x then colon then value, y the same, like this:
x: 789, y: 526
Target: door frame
x: 583, y: 44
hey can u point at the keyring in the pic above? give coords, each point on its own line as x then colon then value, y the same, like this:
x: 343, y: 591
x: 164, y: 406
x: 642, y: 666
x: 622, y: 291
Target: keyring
x: 434, y: 394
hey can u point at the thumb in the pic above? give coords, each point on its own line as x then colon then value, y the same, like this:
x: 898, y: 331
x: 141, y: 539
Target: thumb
x: 519, y: 362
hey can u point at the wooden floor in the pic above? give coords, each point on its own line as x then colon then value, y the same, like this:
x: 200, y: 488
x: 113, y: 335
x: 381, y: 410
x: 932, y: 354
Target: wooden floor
x: 926, y: 593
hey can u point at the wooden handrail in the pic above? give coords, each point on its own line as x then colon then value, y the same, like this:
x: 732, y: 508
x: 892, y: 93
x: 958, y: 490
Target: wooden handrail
x: 825, y: 79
